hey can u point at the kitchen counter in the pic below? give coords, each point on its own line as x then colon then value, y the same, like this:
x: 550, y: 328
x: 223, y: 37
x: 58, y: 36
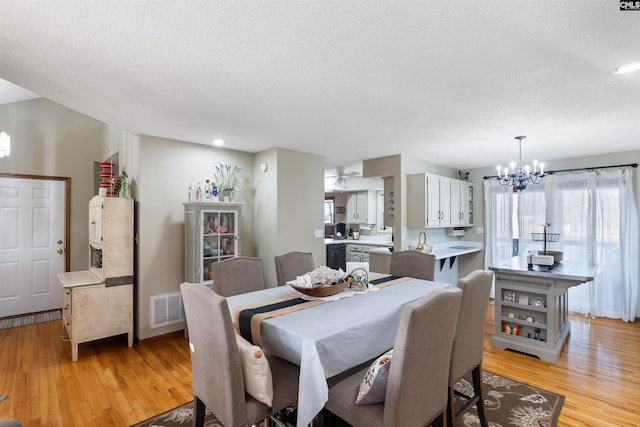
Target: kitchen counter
x: 368, y: 241
x: 446, y: 254
x: 444, y: 250
x: 568, y: 270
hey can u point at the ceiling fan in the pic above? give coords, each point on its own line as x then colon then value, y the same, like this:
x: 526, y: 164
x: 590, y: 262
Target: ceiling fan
x: 342, y: 176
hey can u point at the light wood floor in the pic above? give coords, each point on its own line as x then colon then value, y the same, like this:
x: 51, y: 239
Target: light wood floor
x: 112, y: 385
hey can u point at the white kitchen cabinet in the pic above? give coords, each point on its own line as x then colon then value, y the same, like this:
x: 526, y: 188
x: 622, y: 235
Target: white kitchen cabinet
x: 212, y: 234
x: 352, y: 207
x: 361, y: 207
x: 461, y: 203
x: 429, y: 200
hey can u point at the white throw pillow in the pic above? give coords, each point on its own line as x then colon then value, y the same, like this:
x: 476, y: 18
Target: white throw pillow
x: 374, y: 385
x: 257, y: 374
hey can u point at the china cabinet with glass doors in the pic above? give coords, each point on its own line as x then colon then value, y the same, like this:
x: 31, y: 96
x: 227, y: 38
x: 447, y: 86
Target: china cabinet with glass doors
x: 212, y: 234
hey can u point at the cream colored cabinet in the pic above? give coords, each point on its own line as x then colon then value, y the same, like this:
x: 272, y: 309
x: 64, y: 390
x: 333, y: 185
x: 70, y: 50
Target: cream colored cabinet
x: 111, y: 239
x: 212, y: 234
x: 361, y: 207
x: 95, y: 221
x: 93, y: 310
x: 98, y: 302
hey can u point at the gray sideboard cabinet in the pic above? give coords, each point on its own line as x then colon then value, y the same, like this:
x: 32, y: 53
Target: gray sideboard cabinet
x: 531, y: 306
x: 211, y: 234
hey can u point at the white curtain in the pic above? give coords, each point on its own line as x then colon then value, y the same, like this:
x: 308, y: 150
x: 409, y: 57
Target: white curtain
x: 497, y: 223
x: 531, y: 218
x: 596, y: 216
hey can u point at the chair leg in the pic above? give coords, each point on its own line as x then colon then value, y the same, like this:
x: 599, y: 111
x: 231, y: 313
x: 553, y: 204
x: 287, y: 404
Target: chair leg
x: 476, y: 375
x: 439, y: 421
x: 318, y: 420
x: 199, y: 409
x: 451, y: 410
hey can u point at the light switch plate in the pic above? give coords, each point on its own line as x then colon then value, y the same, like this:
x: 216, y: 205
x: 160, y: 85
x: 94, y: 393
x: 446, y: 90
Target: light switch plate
x: 319, y: 232
x: 480, y: 230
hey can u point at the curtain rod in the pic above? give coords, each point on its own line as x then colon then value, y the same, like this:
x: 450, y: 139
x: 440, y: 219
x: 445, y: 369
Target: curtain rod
x: 631, y: 165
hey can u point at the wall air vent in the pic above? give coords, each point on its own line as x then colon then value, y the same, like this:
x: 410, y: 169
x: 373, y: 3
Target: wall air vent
x: 166, y: 309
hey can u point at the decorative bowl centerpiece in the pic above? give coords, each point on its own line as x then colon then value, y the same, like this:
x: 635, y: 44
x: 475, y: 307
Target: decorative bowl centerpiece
x: 322, y: 291
x: 321, y: 282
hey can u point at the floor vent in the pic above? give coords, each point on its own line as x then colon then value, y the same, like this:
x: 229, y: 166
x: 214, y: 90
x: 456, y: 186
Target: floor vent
x: 166, y: 309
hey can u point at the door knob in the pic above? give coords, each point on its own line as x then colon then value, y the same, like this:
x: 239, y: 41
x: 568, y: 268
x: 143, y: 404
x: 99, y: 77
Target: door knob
x: 59, y: 242
x: 59, y: 251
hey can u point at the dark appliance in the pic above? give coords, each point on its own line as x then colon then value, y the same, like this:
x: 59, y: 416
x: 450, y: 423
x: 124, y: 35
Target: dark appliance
x: 337, y: 256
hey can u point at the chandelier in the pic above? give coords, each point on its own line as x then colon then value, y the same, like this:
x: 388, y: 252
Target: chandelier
x: 522, y: 175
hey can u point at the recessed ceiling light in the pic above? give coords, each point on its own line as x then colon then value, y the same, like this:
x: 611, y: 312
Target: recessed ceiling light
x: 218, y: 142
x: 629, y: 68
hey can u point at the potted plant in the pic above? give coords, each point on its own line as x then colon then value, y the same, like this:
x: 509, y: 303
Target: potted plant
x: 226, y: 176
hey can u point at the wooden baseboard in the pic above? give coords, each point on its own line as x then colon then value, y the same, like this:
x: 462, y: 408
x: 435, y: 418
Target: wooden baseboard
x: 160, y: 338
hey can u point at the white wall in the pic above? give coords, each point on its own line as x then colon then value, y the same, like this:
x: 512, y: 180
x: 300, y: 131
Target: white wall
x: 165, y: 169
x: 48, y: 139
x: 290, y: 206
x: 266, y: 218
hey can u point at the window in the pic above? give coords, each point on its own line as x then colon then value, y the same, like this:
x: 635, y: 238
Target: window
x: 594, y: 214
x: 329, y: 210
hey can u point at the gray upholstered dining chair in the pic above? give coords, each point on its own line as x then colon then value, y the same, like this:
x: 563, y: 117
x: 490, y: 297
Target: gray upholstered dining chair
x: 466, y: 355
x: 416, y: 389
x: 216, y: 369
x: 293, y: 264
x: 237, y: 275
x: 413, y: 264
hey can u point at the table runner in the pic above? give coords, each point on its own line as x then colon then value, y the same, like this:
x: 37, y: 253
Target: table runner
x: 248, y: 318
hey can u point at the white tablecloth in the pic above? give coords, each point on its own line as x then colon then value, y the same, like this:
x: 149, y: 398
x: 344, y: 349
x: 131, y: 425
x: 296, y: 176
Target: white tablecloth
x: 330, y: 338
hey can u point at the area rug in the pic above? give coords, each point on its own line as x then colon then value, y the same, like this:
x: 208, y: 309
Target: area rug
x: 507, y: 403
x: 29, y: 319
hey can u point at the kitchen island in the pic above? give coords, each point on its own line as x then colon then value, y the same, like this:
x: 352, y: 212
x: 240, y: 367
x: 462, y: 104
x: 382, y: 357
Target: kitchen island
x: 531, y: 308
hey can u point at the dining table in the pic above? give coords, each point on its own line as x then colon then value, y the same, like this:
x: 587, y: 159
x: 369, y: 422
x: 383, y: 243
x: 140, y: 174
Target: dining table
x: 331, y: 337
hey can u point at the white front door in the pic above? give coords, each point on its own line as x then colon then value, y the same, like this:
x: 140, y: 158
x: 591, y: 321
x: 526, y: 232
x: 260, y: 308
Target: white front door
x: 32, y: 232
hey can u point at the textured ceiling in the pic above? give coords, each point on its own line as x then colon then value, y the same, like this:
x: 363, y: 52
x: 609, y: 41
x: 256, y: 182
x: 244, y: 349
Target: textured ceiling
x: 448, y: 82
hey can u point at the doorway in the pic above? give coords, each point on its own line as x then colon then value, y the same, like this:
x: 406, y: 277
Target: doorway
x: 34, y: 236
